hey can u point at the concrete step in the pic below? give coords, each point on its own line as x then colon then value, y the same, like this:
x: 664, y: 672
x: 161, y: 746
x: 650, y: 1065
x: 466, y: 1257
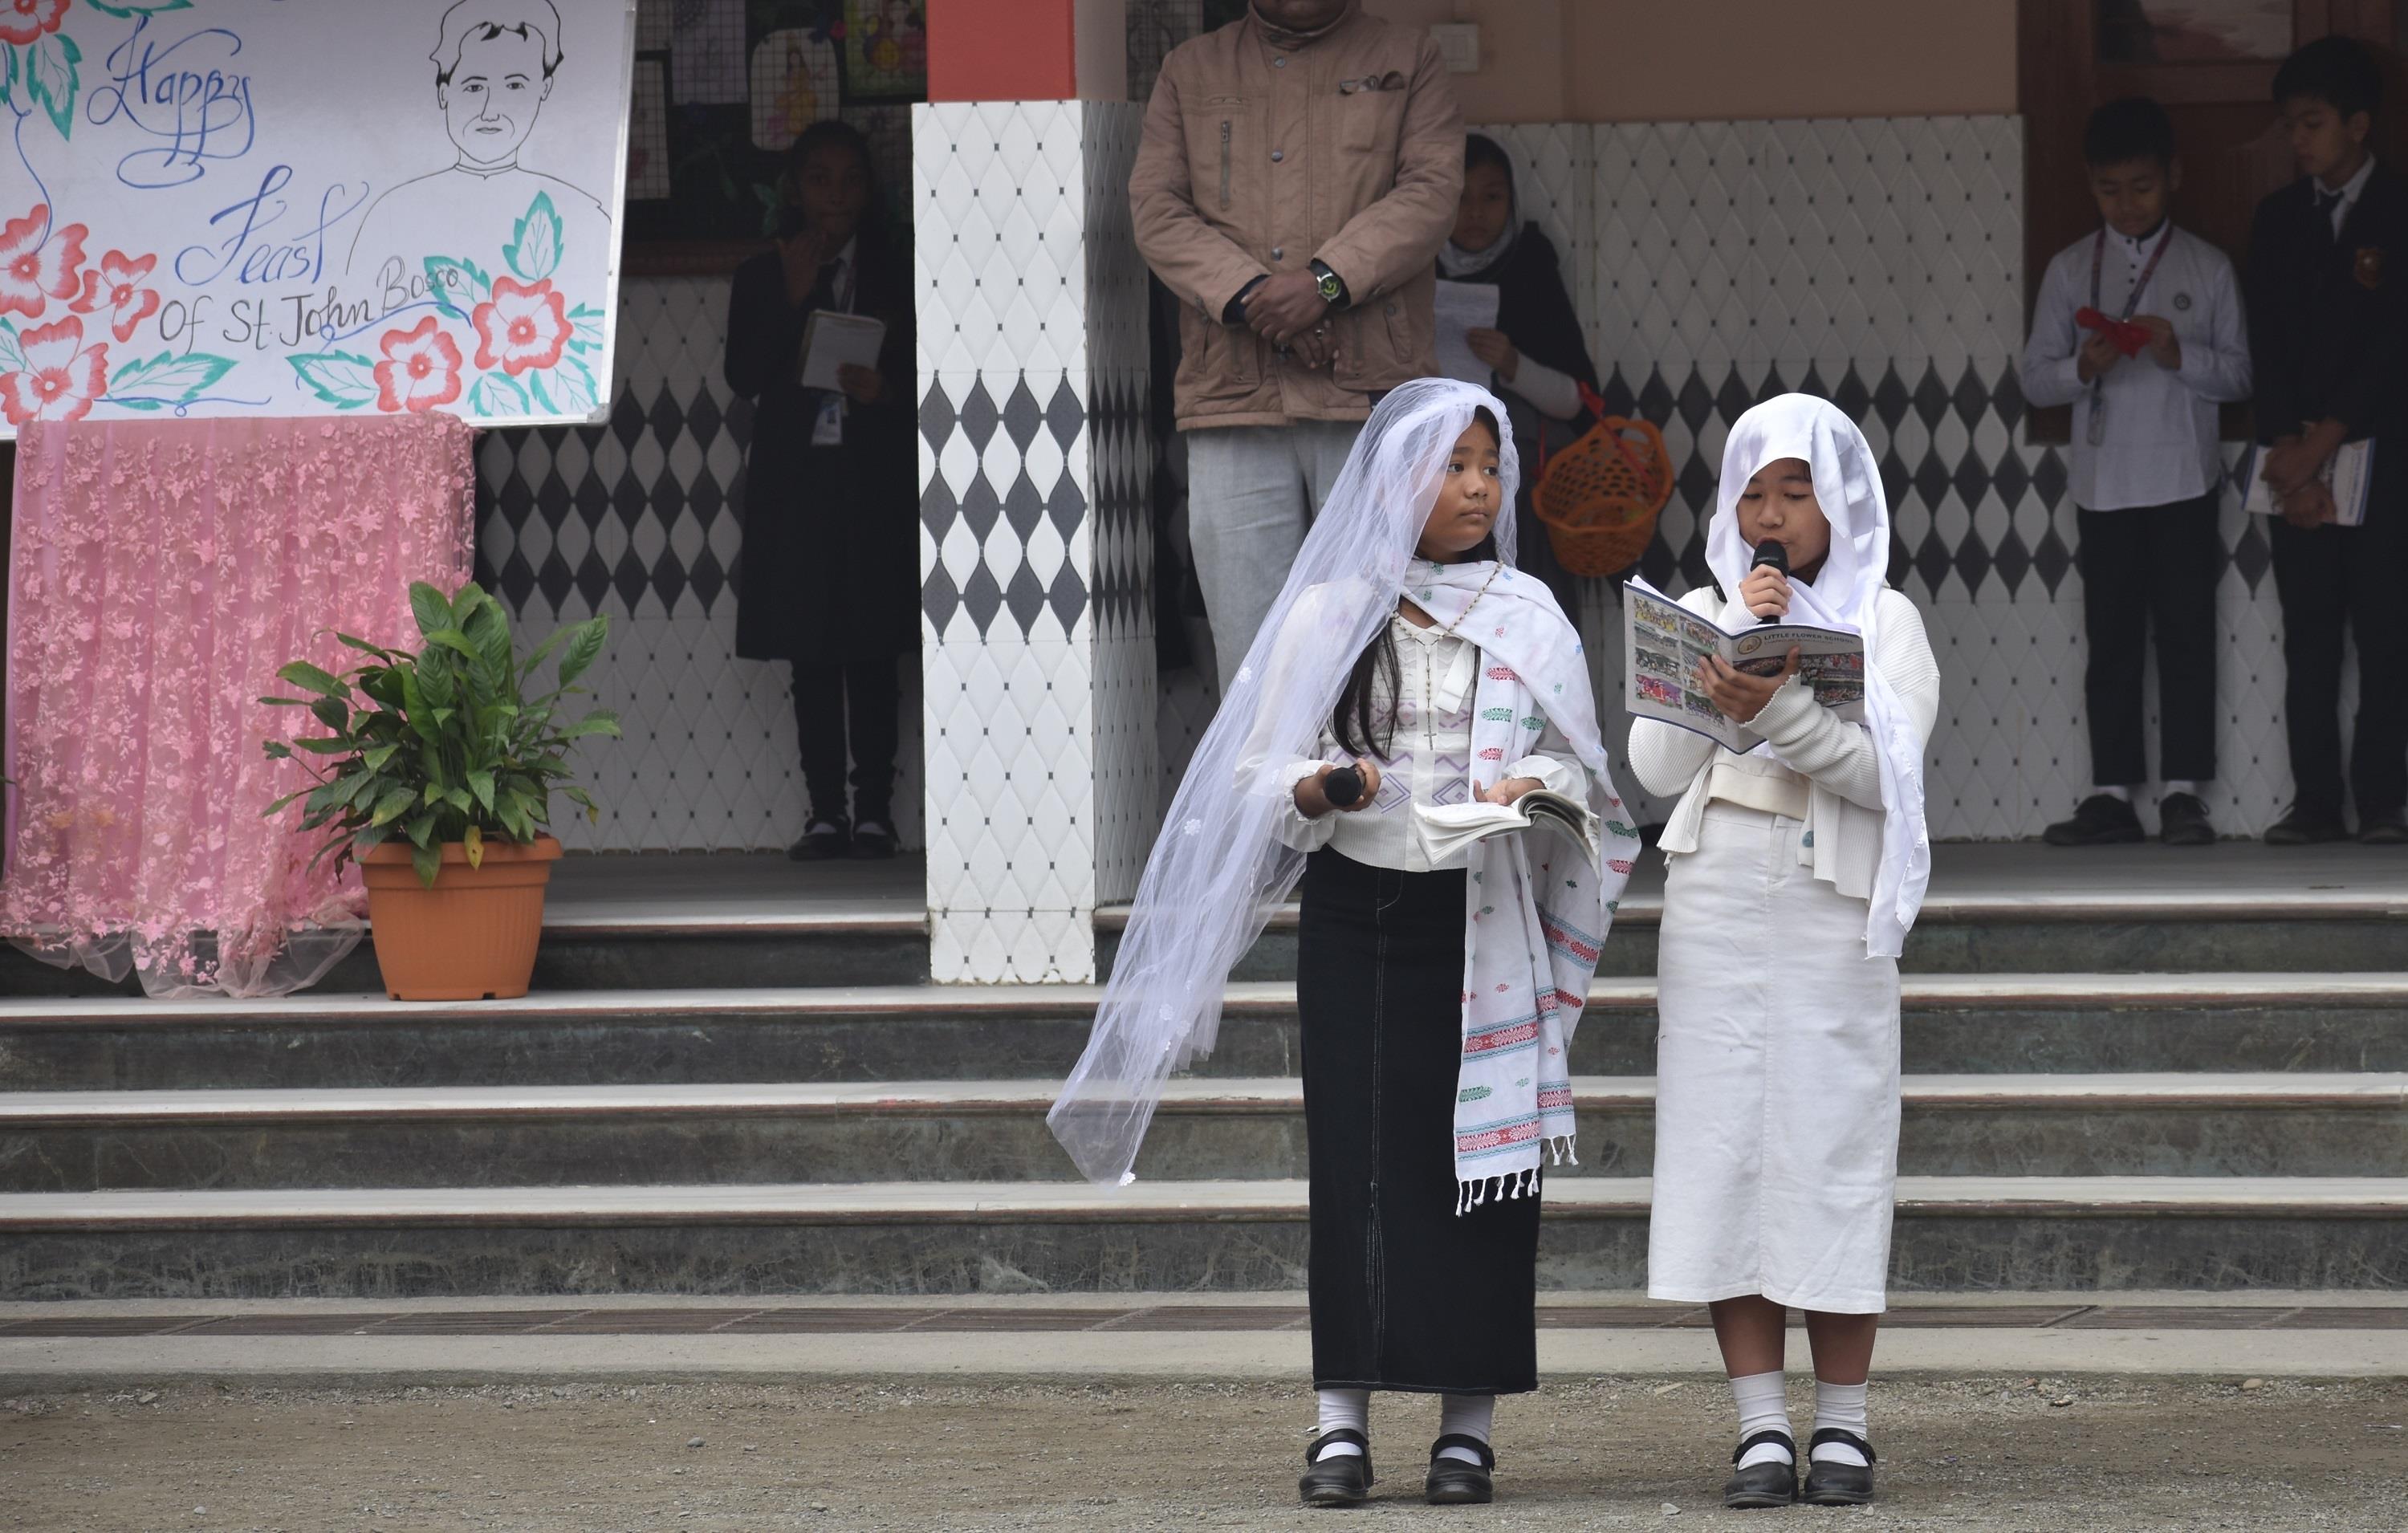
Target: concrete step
x: 620, y: 951
x: 1954, y: 1025
x: 2059, y: 1234
x: 2021, y: 911
x: 2256, y: 1124
x: 1110, y: 1340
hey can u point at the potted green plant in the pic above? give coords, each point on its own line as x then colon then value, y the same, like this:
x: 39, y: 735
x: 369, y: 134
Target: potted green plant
x: 436, y: 772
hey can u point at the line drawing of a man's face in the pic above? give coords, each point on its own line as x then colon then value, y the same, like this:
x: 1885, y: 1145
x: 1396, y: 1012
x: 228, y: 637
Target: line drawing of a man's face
x: 493, y: 73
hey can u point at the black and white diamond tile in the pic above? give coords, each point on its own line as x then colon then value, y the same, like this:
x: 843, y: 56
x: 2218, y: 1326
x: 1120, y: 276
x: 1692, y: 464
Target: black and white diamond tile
x: 1038, y: 632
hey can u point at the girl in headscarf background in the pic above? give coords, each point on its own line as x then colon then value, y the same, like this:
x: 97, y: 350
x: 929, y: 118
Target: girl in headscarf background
x: 1540, y: 360
x: 1438, y: 998
x: 1795, y: 870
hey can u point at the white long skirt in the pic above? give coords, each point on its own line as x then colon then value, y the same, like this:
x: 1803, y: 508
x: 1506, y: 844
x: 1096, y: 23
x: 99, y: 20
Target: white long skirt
x: 1776, y: 1079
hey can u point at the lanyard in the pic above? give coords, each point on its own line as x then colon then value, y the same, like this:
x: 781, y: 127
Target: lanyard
x: 2131, y: 303
x: 2098, y: 253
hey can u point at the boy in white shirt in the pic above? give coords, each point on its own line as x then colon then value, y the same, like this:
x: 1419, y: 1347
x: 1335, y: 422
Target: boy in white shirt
x: 2147, y: 475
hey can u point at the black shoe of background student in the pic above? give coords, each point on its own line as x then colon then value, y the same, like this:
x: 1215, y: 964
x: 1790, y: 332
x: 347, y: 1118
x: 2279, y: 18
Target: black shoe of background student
x: 2182, y: 821
x: 1772, y: 1483
x: 2307, y: 826
x: 2104, y: 820
x: 1454, y: 1482
x: 872, y: 841
x: 821, y: 840
x: 1340, y: 1482
x: 2383, y: 830
x: 1829, y: 1485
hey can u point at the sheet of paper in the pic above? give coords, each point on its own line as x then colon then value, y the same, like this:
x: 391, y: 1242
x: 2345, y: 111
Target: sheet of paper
x: 2348, y: 476
x: 1463, y: 307
x: 833, y: 341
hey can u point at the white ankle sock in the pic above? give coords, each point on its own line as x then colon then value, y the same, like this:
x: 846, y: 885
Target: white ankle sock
x: 1472, y: 1415
x: 1343, y: 1407
x: 2113, y: 791
x: 1763, y: 1407
x: 1842, y: 1406
x: 2175, y: 785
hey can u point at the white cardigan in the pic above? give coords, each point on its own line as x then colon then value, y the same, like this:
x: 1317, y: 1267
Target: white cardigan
x: 1843, y: 824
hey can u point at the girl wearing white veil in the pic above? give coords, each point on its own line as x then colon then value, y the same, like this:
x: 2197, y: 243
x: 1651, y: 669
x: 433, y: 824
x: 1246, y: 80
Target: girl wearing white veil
x: 1795, y: 870
x: 1437, y: 999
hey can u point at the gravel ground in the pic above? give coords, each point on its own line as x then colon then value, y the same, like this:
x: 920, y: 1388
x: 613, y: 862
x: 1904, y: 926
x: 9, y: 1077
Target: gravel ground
x: 1975, y: 1455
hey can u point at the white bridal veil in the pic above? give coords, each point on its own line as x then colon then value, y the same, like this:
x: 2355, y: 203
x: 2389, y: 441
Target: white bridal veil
x: 1219, y: 868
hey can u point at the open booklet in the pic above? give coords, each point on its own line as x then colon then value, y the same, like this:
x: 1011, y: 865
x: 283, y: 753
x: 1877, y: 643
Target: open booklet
x: 1447, y: 829
x: 1665, y: 643
x: 2347, y: 474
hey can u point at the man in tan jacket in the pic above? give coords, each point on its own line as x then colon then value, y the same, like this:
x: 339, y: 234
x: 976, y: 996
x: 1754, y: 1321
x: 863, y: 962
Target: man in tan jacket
x: 1299, y: 171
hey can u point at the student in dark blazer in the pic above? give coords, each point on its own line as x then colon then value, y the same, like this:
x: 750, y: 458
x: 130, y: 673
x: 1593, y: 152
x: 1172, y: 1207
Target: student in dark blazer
x: 829, y: 578
x: 2328, y: 264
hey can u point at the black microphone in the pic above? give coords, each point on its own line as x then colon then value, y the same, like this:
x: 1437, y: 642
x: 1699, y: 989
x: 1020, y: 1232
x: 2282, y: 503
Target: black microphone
x: 1342, y: 787
x: 1769, y: 553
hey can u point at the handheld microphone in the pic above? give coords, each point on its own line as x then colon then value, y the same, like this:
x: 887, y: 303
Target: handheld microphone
x: 1342, y: 787
x: 1770, y: 552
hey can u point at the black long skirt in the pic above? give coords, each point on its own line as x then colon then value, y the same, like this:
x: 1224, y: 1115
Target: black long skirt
x: 1406, y: 1295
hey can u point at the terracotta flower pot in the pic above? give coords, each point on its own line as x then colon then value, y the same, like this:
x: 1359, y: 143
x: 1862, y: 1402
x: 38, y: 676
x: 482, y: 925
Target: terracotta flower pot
x: 470, y: 936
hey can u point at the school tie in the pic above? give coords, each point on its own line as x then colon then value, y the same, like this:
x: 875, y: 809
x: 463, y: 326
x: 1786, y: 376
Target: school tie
x: 823, y: 291
x: 2326, y: 203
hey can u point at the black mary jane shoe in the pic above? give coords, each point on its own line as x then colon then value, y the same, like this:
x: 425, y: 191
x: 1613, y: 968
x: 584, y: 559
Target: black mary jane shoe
x: 872, y: 841
x: 1829, y: 1485
x: 1454, y: 1482
x: 1340, y: 1482
x: 1771, y: 1483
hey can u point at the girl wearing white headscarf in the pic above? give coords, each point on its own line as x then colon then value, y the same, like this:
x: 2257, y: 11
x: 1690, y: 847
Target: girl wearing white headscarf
x: 1796, y: 871
x: 1437, y: 999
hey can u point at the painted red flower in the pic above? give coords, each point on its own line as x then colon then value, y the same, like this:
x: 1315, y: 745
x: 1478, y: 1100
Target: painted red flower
x: 420, y: 370
x: 116, y: 286
x: 524, y: 326
x: 61, y: 378
x: 34, y: 270
x: 23, y: 22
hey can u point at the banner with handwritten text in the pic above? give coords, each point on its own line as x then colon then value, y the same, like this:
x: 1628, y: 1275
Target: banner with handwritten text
x: 310, y: 207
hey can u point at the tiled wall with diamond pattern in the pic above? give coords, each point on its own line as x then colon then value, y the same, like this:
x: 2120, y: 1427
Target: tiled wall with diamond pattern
x: 1037, y: 651
x: 641, y: 519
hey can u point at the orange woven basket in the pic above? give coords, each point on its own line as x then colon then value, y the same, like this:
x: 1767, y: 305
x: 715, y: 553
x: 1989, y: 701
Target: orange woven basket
x: 1599, y: 498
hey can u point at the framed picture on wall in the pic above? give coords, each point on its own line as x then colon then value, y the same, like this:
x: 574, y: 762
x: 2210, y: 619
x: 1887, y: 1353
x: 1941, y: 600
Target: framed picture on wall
x: 2142, y: 32
x: 885, y: 50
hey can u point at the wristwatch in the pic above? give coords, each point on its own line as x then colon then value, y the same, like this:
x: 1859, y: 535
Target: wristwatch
x: 1333, y: 288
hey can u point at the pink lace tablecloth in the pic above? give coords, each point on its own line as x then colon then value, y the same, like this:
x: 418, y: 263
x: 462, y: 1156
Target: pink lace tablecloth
x: 160, y: 575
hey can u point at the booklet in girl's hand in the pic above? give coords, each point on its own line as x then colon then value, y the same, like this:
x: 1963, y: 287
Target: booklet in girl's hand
x: 1666, y: 642
x: 1447, y: 829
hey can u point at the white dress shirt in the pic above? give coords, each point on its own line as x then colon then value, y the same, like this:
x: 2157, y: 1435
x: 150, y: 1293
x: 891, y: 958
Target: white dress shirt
x: 1428, y: 759
x: 2157, y: 440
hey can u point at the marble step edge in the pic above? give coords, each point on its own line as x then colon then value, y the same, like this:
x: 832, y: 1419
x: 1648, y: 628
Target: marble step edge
x: 1917, y: 992
x: 1201, y: 1097
x: 2074, y: 903
x: 1142, y: 1203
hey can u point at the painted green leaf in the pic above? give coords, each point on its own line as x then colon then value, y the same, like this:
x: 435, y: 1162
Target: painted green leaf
x: 587, y: 333
x: 168, y: 378
x: 8, y: 75
x: 458, y: 286
x: 341, y: 378
x: 12, y: 350
x: 129, y: 9
x: 497, y: 394
x: 534, y: 249
x: 51, y: 71
x: 572, y: 388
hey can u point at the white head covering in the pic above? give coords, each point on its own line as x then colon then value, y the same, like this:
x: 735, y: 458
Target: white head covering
x: 1845, y: 593
x: 1219, y: 868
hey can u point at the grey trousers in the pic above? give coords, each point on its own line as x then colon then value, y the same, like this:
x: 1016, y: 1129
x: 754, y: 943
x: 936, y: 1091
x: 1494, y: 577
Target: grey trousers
x: 1252, y: 492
